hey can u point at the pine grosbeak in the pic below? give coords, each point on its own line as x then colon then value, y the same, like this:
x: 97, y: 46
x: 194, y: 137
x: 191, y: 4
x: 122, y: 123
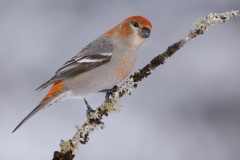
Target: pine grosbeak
x: 99, y: 66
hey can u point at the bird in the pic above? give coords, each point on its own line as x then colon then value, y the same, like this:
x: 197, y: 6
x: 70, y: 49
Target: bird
x: 99, y: 66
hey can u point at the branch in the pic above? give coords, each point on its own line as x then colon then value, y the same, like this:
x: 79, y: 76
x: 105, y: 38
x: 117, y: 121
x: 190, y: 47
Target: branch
x: 111, y: 104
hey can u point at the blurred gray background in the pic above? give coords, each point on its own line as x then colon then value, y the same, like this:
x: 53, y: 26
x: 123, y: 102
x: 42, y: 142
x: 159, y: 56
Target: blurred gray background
x: 188, y: 109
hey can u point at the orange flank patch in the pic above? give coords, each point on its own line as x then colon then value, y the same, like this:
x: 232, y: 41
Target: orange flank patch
x: 56, y: 88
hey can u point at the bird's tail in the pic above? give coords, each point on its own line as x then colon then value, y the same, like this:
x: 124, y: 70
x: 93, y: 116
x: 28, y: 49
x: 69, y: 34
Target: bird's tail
x: 54, y: 95
x: 28, y: 116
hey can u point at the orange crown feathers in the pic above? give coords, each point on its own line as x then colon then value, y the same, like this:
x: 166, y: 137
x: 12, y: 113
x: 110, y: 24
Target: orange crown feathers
x: 123, y: 30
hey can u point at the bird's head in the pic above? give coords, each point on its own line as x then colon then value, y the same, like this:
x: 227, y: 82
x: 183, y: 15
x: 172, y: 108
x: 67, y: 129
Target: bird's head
x: 133, y: 29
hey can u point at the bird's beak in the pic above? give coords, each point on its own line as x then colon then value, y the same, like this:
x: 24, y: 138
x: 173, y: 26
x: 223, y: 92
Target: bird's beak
x: 145, y: 32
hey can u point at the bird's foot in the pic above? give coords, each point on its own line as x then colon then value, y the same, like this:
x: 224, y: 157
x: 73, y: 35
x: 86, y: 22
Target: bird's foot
x: 89, y: 108
x: 109, y: 91
x: 114, y: 89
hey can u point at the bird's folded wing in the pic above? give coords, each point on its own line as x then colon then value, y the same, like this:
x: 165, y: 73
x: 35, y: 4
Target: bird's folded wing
x: 89, y: 58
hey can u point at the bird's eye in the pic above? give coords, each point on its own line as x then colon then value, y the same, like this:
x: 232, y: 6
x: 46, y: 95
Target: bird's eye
x: 135, y: 24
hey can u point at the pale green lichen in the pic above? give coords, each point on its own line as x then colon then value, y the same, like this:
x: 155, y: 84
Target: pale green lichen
x: 106, y: 107
x: 117, y: 107
x: 113, y: 107
x: 198, y: 22
x: 67, y: 146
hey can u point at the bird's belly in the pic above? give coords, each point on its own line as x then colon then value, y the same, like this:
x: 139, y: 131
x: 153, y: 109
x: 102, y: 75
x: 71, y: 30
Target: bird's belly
x: 100, y: 78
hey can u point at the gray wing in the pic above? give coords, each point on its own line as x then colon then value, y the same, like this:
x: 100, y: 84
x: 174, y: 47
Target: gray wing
x: 93, y: 55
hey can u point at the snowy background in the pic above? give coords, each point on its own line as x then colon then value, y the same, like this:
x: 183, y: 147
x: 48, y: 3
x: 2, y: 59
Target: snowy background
x: 188, y: 109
